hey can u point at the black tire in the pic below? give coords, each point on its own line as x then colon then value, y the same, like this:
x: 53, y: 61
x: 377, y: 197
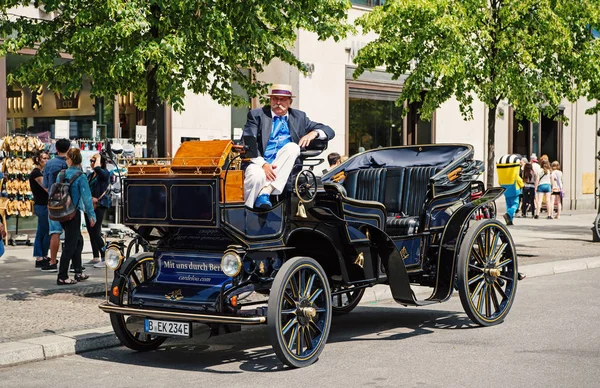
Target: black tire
x: 135, y: 246
x: 136, y: 271
x: 344, y: 303
x: 299, y: 303
x: 596, y: 228
x: 487, y: 272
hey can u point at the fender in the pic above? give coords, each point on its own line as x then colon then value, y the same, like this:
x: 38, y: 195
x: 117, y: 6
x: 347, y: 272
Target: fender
x: 338, y: 254
x: 395, y: 270
x: 450, y: 243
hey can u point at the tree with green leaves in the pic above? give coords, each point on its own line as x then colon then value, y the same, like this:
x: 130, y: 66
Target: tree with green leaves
x: 157, y: 49
x: 529, y: 53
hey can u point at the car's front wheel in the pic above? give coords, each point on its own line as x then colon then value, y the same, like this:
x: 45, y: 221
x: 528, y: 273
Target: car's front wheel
x: 129, y: 330
x: 299, y: 312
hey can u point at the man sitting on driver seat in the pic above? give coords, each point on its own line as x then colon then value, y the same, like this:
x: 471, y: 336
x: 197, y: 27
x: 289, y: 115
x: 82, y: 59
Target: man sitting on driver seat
x: 280, y: 132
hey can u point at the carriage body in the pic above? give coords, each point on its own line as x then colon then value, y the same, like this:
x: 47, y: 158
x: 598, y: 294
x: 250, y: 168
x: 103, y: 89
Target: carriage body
x: 396, y: 216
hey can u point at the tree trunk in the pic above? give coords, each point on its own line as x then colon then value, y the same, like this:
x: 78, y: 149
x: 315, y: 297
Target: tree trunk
x: 152, y: 90
x: 151, y: 112
x: 491, y: 159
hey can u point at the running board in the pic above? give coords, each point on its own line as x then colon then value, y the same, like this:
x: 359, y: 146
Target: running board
x: 181, y: 316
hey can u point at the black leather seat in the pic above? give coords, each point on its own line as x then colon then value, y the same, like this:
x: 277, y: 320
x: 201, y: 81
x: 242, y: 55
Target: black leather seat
x: 403, y: 191
x: 406, y: 192
x: 366, y: 185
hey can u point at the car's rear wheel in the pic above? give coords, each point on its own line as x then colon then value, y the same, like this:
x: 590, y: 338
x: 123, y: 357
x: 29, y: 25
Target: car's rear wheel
x: 135, y: 246
x: 299, y: 312
x: 346, y: 299
x: 130, y: 331
x: 487, y: 272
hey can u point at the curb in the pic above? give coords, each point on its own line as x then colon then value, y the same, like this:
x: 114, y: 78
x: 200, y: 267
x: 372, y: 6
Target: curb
x: 48, y: 347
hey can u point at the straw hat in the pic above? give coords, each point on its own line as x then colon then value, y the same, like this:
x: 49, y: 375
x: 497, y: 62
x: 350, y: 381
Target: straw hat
x: 281, y: 90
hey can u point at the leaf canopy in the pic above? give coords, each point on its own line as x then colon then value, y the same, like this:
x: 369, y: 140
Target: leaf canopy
x: 193, y: 44
x: 532, y: 53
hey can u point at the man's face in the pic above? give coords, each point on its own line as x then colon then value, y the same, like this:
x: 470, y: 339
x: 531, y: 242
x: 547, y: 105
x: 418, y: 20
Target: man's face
x: 280, y: 104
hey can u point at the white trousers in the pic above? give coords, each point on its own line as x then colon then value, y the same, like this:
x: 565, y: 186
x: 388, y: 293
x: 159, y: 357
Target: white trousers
x: 255, y: 178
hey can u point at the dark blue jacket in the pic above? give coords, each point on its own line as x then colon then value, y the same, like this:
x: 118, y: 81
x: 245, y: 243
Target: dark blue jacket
x: 100, y: 189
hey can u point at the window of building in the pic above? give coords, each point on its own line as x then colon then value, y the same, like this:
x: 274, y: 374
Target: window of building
x: 49, y: 115
x: 542, y: 138
x: 375, y: 121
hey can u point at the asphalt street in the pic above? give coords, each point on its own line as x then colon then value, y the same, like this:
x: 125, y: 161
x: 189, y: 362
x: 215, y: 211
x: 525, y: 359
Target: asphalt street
x: 549, y: 339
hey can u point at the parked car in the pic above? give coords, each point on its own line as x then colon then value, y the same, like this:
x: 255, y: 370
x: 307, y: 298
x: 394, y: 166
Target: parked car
x: 399, y: 216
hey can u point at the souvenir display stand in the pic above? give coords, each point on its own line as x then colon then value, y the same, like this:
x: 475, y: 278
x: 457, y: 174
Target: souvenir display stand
x: 17, y: 162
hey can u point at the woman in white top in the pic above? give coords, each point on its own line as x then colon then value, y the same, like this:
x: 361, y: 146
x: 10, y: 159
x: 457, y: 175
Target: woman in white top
x: 557, y: 188
x: 544, y: 189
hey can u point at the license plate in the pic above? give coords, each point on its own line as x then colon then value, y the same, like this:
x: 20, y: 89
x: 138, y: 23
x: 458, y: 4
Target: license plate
x: 169, y: 328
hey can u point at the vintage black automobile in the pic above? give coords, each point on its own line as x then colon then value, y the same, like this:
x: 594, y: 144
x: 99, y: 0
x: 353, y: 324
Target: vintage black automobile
x: 400, y: 216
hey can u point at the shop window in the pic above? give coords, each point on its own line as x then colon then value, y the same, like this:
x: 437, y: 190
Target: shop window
x: 374, y: 120
x: 39, y: 111
x: 542, y: 138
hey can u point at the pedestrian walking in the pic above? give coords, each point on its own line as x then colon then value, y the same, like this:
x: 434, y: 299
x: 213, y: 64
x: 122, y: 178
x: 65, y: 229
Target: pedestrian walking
x: 529, y: 182
x: 508, y: 167
x: 51, y: 170
x: 544, y: 190
x: 40, y: 209
x: 82, y: 198
x: 99, y: 181
x: 557, y: 188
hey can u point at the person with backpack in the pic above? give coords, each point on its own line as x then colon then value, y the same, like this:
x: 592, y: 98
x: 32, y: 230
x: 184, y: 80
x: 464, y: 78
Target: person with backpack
x: 51, y: 170
x: 70, y: 194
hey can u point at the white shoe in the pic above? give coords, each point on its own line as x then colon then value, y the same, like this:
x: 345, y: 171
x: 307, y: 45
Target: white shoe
x: 100, y: 265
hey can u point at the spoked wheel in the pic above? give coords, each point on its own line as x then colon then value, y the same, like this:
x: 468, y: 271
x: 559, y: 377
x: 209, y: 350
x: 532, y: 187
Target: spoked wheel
x: 299, y: 313
x: 346, y: 301
x: 487, y: 272
x: 130, y: 330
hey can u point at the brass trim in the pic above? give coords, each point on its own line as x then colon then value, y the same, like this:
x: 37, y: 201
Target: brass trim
x: 360, y: 260
x: 308, y: 312
x: 194, y: 317
x: 495, y: 272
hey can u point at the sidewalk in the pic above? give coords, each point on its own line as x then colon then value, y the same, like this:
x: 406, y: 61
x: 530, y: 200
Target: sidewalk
x: 41, y: 320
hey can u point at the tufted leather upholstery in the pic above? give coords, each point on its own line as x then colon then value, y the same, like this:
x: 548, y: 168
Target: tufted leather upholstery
x: 366, y: 185
x: 406, y: 192
x: 402, y: 190
x: 416, y: 182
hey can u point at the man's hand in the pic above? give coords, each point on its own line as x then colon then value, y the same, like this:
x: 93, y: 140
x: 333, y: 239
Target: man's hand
x: 269, y: 171
x: 306, y: 139
x: 92, y: 222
